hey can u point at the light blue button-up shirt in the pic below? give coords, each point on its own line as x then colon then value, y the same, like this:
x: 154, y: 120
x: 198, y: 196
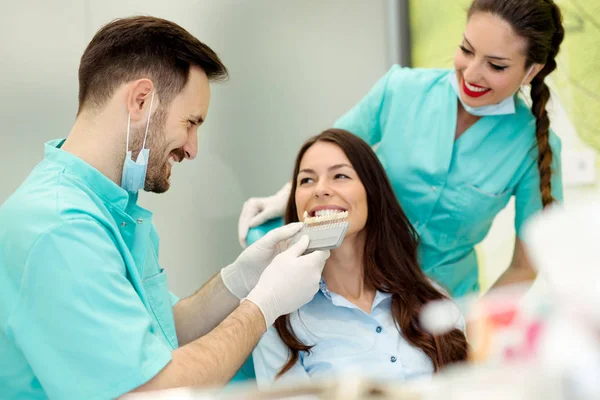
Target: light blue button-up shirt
x: 85, y: 312
x: 346, y: 340
x: 451, y: 190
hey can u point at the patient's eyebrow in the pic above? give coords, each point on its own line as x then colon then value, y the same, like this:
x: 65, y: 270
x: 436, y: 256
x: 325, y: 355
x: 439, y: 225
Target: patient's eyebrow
x: 338, y: 166
x: 332, y: 168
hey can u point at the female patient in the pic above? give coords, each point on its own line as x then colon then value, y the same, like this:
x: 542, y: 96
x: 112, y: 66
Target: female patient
x: 365, y: 318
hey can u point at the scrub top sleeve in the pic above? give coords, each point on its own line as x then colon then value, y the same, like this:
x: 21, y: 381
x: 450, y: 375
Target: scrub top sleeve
x: 363, y: 119
x: 78, y: 320
x: 269, y: 356
x: 174, y: 299
x: 528, y: 196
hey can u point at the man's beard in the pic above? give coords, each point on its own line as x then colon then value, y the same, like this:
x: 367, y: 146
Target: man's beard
x: 158, y: 172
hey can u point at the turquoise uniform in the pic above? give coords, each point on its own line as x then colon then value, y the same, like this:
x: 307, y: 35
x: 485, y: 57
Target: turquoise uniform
x: 85, y: 312
x: 450, y: 190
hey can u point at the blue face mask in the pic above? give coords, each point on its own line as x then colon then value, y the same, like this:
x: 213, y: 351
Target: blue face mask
x: 134, y: 172
x: 506, y: 106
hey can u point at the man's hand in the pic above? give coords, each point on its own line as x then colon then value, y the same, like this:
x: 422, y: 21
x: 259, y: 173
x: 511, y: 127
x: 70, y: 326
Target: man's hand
x: 289, y: 282
x: 241, y: 276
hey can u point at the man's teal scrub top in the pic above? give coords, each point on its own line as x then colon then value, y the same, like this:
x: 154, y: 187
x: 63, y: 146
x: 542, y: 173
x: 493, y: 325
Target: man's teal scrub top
x: 85, y: 312
x: 451, y: 190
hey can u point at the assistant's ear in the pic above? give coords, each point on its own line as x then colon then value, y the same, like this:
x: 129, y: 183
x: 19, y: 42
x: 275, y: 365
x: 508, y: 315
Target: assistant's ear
x: 535, y: 69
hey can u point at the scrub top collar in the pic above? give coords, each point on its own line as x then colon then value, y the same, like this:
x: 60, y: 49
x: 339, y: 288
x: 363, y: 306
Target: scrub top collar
x: 88, y: 175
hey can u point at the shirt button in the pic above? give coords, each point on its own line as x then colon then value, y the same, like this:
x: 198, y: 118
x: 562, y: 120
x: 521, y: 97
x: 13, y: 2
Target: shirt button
x: 123, y: 224
x: 139, y: 221
x: 378, y: 330
x: 393, y: 359
x: 434, y: 188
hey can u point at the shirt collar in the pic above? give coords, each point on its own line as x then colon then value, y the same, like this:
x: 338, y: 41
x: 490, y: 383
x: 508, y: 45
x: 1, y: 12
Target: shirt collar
x: 338, y: 300
x: 323, y: 288
x: 88, y: 175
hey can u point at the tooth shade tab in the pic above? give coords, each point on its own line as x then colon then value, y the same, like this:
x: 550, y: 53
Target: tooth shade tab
x: 329, y: 218
x: 325, y: 232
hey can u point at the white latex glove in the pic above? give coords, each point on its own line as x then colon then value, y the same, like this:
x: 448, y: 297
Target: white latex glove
x: 258, y: 210
x: 241, y: 276
x: 289, y: 282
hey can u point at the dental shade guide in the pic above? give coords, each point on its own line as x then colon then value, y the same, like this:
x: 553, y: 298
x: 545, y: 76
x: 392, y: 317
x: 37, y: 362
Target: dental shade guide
x: 325, y: 232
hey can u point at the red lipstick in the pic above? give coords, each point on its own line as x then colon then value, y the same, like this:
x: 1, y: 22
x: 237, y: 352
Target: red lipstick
x: 471, y: 93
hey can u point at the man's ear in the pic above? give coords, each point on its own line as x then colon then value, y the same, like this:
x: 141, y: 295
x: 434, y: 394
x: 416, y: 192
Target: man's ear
x: 138, y: 99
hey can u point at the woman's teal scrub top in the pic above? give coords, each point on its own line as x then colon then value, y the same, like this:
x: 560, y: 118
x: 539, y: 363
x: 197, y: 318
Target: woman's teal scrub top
x: 451, y: 190
x: 85, y: 312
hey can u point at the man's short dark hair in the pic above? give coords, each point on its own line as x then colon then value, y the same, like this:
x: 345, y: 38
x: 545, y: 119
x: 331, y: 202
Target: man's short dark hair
x: 137, y: 47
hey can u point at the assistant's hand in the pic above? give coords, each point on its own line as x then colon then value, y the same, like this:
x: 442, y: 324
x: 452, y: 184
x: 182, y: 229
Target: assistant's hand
x: 258, y: 210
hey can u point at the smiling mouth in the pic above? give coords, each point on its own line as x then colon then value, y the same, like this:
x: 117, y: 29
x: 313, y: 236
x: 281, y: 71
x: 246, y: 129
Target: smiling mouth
x: 173, y: 158
x: 472, y: 90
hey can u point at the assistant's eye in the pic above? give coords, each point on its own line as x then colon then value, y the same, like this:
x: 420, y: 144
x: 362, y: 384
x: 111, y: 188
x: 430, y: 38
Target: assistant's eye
x: 498, y: 67
x: 465, y: 50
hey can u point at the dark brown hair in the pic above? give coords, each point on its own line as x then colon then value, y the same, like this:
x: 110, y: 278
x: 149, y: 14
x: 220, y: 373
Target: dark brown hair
x: 390, y: 256
x: 137, y: 47
x: 539, y: 22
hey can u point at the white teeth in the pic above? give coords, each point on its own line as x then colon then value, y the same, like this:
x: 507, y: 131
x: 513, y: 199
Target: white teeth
x: 327, y: 212
x: 475, y: 88
x: 171, y: 161
x: 305, y: 216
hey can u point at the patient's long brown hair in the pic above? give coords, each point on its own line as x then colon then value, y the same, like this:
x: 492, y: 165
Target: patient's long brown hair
x: 390, y: 257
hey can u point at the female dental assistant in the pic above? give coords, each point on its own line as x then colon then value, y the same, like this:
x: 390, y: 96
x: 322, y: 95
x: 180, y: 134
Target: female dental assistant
x: 457, y: 144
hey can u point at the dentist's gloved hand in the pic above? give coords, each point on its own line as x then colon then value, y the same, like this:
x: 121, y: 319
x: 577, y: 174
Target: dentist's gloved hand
x: 241, y: 276
x: 289, y: 282
x: 258, y: 210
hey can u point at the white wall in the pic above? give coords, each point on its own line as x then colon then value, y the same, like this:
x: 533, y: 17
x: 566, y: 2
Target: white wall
x: 295, y: 66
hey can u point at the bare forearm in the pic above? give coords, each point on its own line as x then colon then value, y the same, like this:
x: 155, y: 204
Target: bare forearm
x: 520, y: 269
x: 515, y: 275
x: 213, y: 359
x: 200, y: 313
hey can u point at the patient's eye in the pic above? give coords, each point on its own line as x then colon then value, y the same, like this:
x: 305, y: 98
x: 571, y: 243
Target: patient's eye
x: 305, y: 180
x: 341, y: 176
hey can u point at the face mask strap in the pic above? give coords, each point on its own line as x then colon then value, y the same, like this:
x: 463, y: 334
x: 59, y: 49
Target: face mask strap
x: 148, y: 122
x: 527, y: 75
x: 128, y: 128
x: 147, y: 126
